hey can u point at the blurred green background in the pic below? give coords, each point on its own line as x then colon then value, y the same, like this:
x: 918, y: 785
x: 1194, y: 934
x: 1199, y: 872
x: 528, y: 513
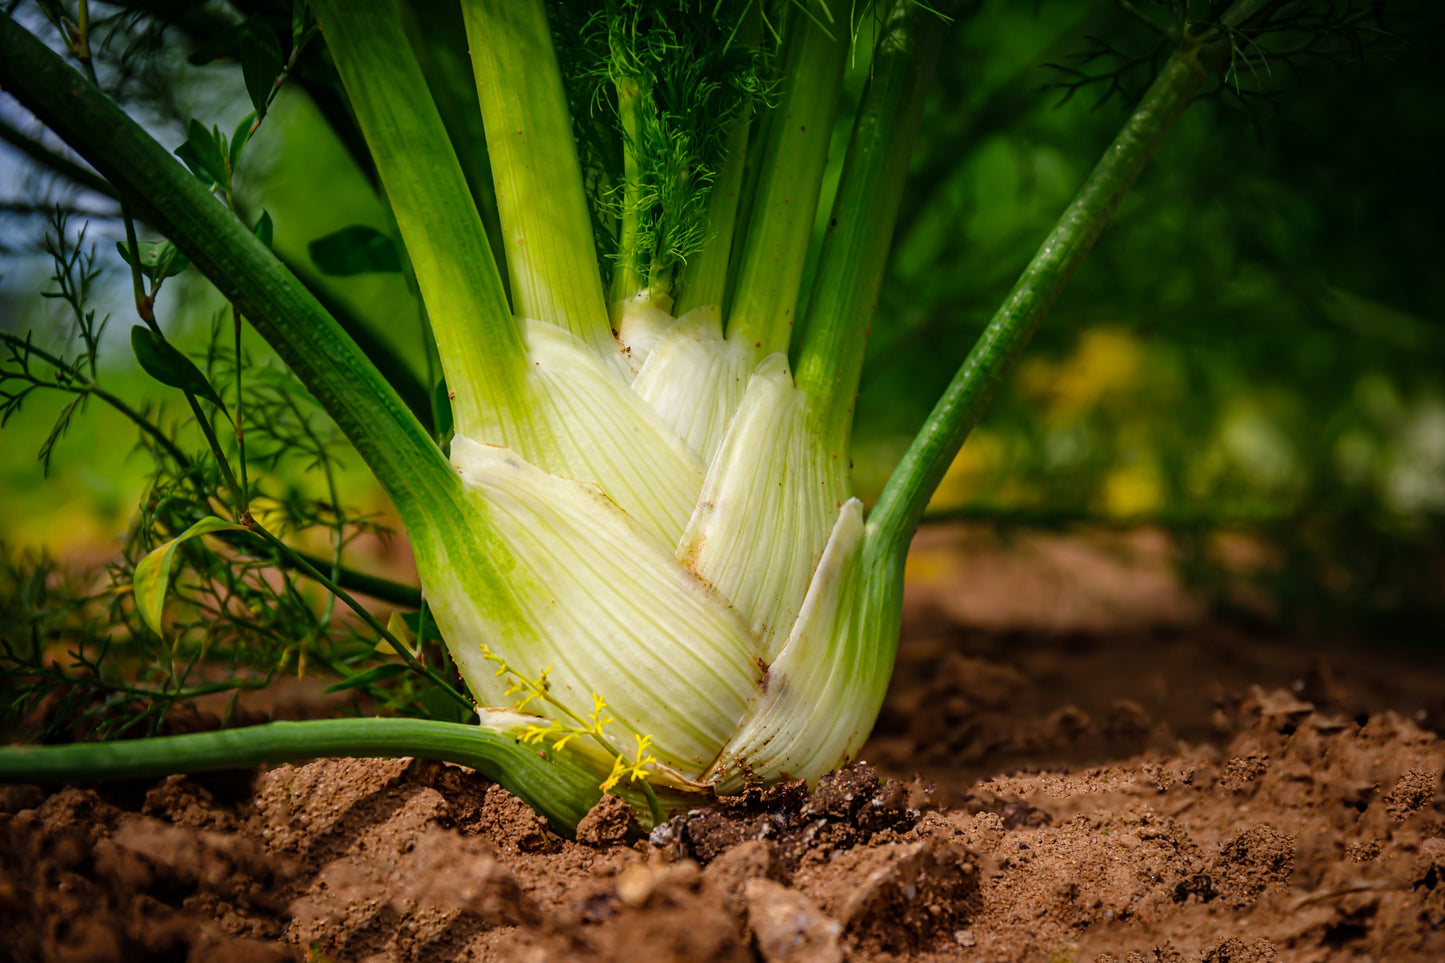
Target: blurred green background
x: 1255, y: 346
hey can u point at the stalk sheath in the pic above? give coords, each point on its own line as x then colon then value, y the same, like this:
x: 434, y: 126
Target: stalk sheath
x: 764, y: 295
x: 860, y: 232
x: 480, y: 344
x: 546, y: 228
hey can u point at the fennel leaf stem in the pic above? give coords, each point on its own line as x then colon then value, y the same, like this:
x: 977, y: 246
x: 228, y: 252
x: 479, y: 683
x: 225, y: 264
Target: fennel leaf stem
x: 860, y: 228
x: 481, y: 346
x: 549, y: 782
x: 901, y: 505
x: 765, y: 292
x: 547, y: 230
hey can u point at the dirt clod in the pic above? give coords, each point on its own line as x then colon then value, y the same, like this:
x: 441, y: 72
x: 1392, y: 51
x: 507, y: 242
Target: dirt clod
x: 788, y: 927
x: 609, y: 823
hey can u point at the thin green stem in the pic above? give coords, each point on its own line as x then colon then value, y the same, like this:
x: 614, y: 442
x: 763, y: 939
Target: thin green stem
x: 765, y: 294
x: 902, y: 502
x: 244, y: 506
x: 551, y: 255
x: 552, y: 784
x: 78, y: 385
x: 394, y: 445
x: 227, y: 476
x: 860, y: 230
x: 145, y: 303
x: 81, y: 48
x: 481, y: 345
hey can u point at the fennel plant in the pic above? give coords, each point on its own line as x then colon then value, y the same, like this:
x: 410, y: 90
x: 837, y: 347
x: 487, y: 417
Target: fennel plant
x: 638, y: 539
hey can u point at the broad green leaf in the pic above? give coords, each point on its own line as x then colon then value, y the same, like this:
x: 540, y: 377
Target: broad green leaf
x: 193, y: 163
x: 153, y: 573
x: 261, y: 61
x: 241, y: 137
x: 356, y: 249
x: 402, y: 630
x: 206, y: 148
x: 163, y: 362
x: 265, y: 229
x: 379, y: 674
x: 419, y: 625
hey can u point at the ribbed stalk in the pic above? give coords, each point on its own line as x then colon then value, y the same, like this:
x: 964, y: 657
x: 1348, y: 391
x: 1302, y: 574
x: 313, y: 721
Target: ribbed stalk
x: 480, y: 344
x: 626, y: 282
x: 765, y: 294
x: 547, y: 230
x: 704, y: 280
x: 395, y: 446
x: 903, y: 499
x: 860, y: 232
x: 448, y: 71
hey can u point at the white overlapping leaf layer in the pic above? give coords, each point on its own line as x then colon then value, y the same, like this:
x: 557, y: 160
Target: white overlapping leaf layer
x: 666, y: 530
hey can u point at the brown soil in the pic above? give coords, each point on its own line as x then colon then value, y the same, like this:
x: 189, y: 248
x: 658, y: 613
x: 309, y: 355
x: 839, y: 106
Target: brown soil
x: 1173, y: 789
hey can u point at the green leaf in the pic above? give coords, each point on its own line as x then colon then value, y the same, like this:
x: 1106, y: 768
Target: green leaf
x: 379, y: 674
x: 153, y: 573
x: 265, y: 229
x: 439, y: 705
x: 205, y: 147
x: 357, y: 249
x: 261, y: 62
x: 163, y: 362
x: 298, y: 22
x: 193, y: 163
x: 158, y: 259
x: 241, y: 138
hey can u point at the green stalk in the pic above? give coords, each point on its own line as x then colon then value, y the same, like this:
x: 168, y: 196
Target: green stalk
x: 551, y: 257
x: 765, y: 292
x: 548, y: 782
x: 626, y: 282
x: 394, y: 445
x: 481, y: 347
x: 860, y: 233
x: 434, y: 28
x: 902, y: 502
x: 704, y: 280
